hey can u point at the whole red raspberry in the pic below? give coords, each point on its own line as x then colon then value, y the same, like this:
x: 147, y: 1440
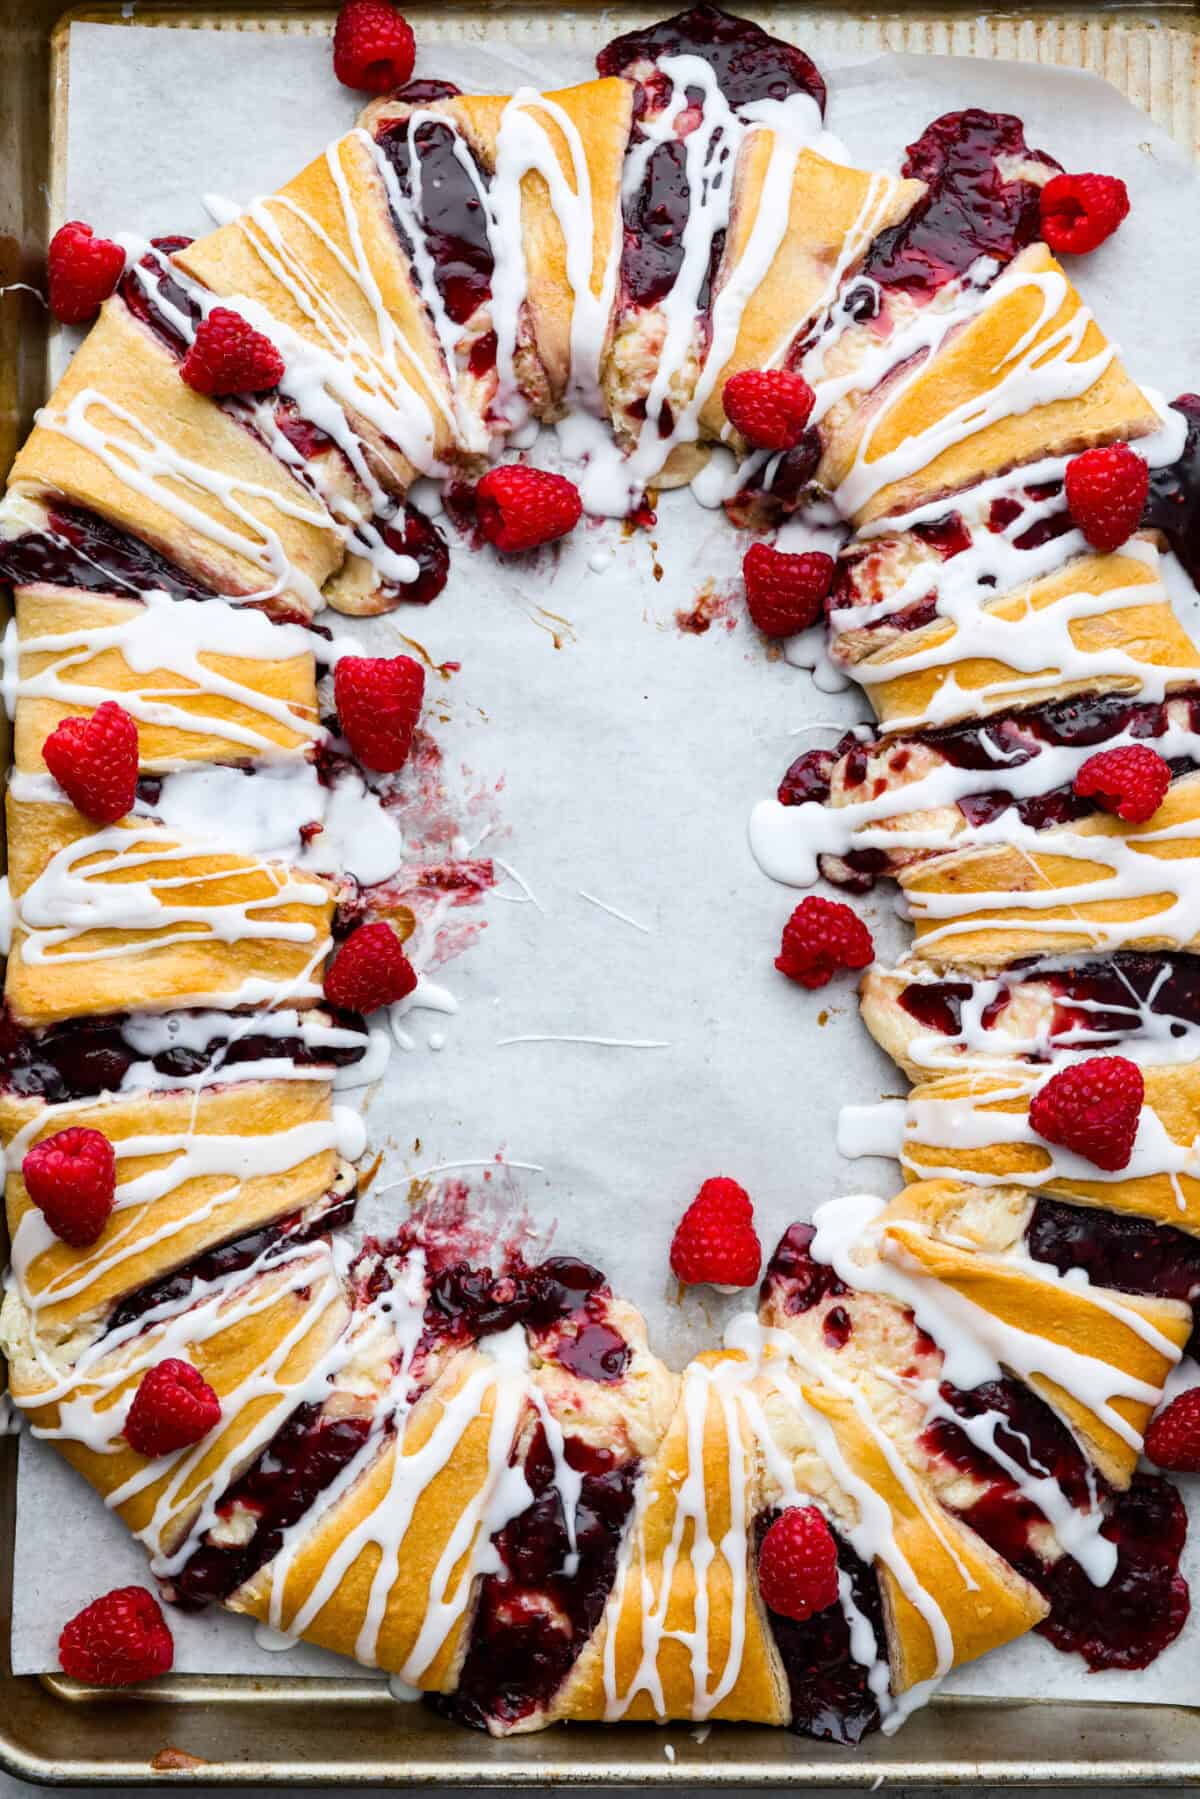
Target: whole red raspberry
x: 173, y: 1408
x: 83, y: 270
x: 784, y: 592
x: 798, y: 1565
x: 519, y: 508
x: 71, y: 1178
x: 1080, y: 211
x: 1106, y: 494
x: 228, y: 356
x: 820, y: 937
x: 370, y: 970
x: 378, y: 701
x: 715, y: 1240
x: 95, y: 762
x: 770, y: 407
x: 1173, y: 1440
x: 1131, y: 781
x: 373, y: 47
x: 1092, y: 1108
x: 117, y: 1639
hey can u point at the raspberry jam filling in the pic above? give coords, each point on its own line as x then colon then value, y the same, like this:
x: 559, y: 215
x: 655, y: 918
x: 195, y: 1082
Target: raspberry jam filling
x: 1104, y: 1624
x: 174, y: 298
x: 282, y: 1234
x: 747, y: 62
x: 830, y: 1691
x: 562, y: 1301
x: 1173, y: 503
x: 974, y: 205
x: 793, y: 1279
x: 991, y: 745
x: 1107, y: 999
x: 301, y: 1460
x: 863, y: 577
x: 536, y: 1614
x: 78, y: 548
x: 451, y: 213
x: 748, y: 65
x: 1132, y: 1255
x: 88, y: 1056
x: 410, y: 533
x: 1130, y: 1620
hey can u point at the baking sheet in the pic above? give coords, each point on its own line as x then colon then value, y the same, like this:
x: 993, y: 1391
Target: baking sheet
x: 630, y: 753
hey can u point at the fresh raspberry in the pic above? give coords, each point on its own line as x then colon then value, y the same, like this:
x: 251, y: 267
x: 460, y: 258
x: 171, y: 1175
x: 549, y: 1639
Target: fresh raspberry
x: 715, y: 1240
x: 798, y: 1565
x: 820, y: 937
x: 785, y: 593
x: 117, y: 1639
x: 770, y: 407
x: 95, y: 762
x: 370, y: 970
x: 84, y: 270
x: 1173, y: 1440
x: 228, y: 356
x: 373, y: 47
x: 71, y: 1177
x: 378, y: 701
x: 173, y: 1408
x: 1106, y: 494
x: 519, y: 507
x: 1092, y: 1108
x: 1080, y: 211
x: 1131, y: 781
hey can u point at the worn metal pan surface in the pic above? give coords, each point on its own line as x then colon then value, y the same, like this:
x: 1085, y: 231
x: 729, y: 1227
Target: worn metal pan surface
x: 297, y: 1732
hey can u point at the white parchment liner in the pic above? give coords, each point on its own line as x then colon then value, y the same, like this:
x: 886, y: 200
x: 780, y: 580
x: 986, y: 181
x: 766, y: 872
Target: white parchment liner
x: 630, y: 753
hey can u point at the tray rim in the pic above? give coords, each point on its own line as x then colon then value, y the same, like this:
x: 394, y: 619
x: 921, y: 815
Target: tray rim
x: 736, y: 1756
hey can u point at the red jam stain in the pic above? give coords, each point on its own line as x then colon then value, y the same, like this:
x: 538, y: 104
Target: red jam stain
x: 748, y: 65
x: 452, y: 214
x: 534, y: 1617
x: 971, y: 207
x: 77, y: 548
x: 711, y: 607
x: 830, y: 1692
x: 1173, y: 503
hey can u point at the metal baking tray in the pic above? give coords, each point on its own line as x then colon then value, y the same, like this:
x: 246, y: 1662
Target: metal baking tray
x: 296, y: 1732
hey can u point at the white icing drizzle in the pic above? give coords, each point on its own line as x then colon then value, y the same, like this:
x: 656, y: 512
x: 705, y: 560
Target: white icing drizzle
x: 177, y: 635
x: 145, y: 462
x: 524, y: 146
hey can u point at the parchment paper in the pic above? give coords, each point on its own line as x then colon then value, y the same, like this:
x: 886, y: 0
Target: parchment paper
x: 631, y: 753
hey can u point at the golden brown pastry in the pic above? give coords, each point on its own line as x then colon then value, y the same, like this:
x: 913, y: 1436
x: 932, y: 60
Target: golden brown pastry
x: 125, y: 438
x: 321, y: 258
x: 136, y: 916
x: 1024, y: 373
x: 206, y: 703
